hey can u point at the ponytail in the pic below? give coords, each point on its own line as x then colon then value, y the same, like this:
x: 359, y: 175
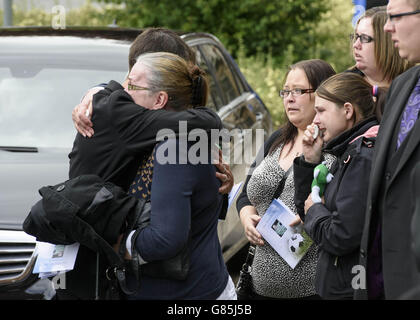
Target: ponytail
x: 199, y: 87
x: 185, y: 83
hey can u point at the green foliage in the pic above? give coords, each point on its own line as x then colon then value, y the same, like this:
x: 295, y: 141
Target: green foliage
x: 331, y: 44
x: 87, y: 15
x: 266, y: 80
x: 265, y: 26
x: 265, y: 36
x: 31, y: 18
x: 332, y: 35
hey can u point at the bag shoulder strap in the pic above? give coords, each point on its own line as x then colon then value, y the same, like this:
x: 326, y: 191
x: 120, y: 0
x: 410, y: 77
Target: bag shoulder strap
x: 251, y: 251
x: 356, y: 148
x: 282, y: 182
x: 249, y: 258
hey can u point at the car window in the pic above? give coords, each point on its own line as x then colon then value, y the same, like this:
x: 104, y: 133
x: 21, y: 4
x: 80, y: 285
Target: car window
x: 214, y: 100
x: 36, y: 102
x: 222, y: 71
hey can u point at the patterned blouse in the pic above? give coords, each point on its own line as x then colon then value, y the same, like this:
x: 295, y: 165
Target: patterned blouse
x: 142, y: 184
x: 271, y: 275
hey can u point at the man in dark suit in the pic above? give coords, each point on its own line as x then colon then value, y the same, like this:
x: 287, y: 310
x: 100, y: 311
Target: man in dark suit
x: 386, y: 250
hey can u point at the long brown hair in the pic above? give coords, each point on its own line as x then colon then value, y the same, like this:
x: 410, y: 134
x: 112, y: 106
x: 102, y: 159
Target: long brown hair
x: 316, y: 70
x: 387, y: 57
x: 350, y: 87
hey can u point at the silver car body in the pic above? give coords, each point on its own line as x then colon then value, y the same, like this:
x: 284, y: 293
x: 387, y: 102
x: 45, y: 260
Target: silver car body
x: 43, y: 75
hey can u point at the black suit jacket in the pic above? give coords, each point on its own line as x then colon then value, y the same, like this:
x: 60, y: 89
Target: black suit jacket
x: 389, y: 196
x: 125, y: 132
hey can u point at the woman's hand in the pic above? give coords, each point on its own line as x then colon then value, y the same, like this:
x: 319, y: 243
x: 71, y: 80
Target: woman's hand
x: 116, y: 247
x: 249, y: 219
x: 297, y: 221
x: 309, y: 203
x: 312, y: 147
x: 82, y: 114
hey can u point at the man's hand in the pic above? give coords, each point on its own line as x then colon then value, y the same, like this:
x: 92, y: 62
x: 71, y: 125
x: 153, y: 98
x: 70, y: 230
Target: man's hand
x: 82, y: 114
x: 225, y: 175
x: 116, y: 247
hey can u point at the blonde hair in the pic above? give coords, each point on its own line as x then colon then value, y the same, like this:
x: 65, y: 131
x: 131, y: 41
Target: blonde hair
x: 387, y: 56
x: 185, y: 83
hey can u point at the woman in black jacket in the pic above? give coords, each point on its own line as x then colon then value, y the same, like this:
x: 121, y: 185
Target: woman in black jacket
x: 345, y: 106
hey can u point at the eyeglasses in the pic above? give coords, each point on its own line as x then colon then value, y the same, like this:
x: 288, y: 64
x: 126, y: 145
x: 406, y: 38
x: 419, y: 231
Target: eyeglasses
x: 364, y: 38
x: 295, y: 92
x: 392, y: 16
x: 134, y: 87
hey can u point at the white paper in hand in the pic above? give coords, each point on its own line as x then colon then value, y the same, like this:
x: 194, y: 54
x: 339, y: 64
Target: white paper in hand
x: 274, y: 227
x: 316, y: 131
x: 233, y: 193
x: 54, y: 258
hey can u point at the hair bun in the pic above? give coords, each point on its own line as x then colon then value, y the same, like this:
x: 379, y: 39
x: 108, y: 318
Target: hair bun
x: 195, y: 71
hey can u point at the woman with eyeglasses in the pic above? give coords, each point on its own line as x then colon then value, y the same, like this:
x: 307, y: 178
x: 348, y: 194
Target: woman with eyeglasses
x: 373, y: 50
x: 272, y: 277
x: 185, y: 212
x: 184, y: 197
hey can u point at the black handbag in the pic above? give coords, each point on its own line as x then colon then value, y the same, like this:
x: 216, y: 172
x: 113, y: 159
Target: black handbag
x: 175, y: 268
x: 244, y: 289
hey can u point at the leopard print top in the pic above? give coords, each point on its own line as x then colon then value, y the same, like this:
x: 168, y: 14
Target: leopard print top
x: 271, y: 275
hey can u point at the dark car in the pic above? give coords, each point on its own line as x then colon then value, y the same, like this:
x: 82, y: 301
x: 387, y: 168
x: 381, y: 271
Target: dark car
x: 43, y: 75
